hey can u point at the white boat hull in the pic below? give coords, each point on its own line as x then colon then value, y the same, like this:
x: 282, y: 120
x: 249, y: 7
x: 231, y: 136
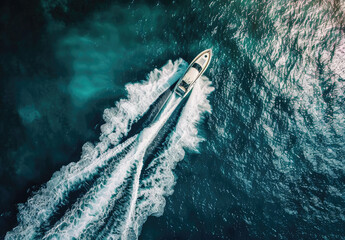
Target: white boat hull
x: 193, y: 72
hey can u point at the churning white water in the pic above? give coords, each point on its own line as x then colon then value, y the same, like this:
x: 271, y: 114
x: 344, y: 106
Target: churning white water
x: 118, y: 198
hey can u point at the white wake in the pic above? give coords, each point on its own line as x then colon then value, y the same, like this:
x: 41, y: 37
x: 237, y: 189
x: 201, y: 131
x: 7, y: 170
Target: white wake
x: 119, y: 201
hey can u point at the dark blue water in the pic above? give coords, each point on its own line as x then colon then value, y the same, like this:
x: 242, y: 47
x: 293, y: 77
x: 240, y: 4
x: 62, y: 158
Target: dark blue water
x: 271, y: 165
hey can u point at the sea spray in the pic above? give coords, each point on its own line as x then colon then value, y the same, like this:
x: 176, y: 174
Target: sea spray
x: 42, y: 205
x: 119, y: 119
x: 94, y: 206
x: 152, y: 190
x: 88, y: 216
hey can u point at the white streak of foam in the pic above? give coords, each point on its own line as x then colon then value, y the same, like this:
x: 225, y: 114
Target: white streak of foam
x: 140, y: 97
x: 37, y: 210
x: 40, y: 207
x: 147, y: 136
x: 151, y: 191
x: 94, y: 205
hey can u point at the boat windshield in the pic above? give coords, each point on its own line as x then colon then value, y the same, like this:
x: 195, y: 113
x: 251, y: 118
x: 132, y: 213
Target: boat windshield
x: 184, y: 85
x: 197, y: 67
x: 180, y: 91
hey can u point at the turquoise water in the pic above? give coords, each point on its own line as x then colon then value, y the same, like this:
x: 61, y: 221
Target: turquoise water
x: 271, y: 165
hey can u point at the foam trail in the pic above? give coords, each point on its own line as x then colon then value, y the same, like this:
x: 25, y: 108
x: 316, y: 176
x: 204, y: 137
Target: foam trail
x: 140, y: 97
x: 44, y: 203
x: 148, y: 194
x: 39, y: 208
x: 120, y: 199
x: 149, y: 135
x: 93, y: 206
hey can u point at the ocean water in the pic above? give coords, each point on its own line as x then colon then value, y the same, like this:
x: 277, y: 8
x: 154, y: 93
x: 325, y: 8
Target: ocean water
x: 255, y: 152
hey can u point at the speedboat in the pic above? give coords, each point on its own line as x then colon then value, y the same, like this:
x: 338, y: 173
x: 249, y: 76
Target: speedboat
x: 193, y: 72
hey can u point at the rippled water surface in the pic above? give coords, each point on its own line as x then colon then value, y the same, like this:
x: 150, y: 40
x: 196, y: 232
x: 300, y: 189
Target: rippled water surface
x: 256, y: 151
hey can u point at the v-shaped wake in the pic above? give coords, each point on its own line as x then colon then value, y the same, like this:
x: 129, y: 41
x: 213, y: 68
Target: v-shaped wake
x: 123, y: 179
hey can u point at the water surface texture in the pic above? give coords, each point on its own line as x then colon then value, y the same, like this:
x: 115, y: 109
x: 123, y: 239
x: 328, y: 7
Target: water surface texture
x: 255, y: 152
